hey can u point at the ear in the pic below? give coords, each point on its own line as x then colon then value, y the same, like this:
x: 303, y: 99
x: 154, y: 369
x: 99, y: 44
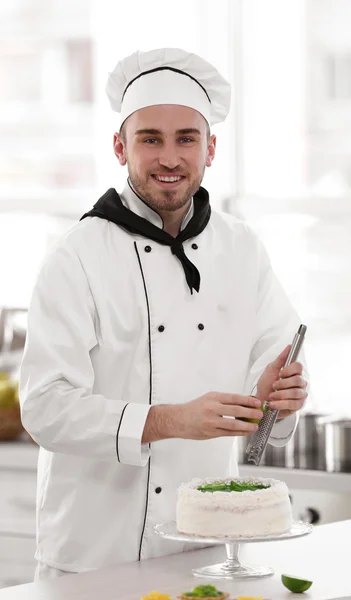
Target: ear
x: 119, y: 149
x: 211, y: 150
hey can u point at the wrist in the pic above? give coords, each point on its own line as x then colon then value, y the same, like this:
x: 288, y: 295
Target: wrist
x: 163, y: 422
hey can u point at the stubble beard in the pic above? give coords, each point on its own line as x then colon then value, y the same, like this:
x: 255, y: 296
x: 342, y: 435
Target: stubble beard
x: 169, y: 201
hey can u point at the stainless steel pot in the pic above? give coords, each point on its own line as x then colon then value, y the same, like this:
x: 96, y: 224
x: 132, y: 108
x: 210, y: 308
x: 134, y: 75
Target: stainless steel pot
x: 309, y: 443
x: 337, y: 434
x: 305, y: 450
x: 279, y: 456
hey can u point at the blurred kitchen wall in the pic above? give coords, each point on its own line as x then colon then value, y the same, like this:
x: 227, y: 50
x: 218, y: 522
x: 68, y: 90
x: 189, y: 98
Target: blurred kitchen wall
x: 284, y: 154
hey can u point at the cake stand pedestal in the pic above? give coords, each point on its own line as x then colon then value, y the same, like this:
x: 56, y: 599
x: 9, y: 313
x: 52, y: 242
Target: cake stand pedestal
x: 232, y: 568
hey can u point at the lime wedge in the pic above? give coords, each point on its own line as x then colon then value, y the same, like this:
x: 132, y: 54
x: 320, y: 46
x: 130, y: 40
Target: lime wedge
x: 296, y: 585
x: 261, y: 408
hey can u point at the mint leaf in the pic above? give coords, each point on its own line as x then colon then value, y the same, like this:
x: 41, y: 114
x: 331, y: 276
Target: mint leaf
x: 233, y: 486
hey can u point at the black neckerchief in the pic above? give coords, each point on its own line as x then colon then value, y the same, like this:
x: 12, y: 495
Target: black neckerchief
x: 110, y: 207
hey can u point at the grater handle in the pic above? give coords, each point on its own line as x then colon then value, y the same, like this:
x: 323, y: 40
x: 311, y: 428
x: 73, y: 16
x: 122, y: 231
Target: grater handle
x: 260, y: 438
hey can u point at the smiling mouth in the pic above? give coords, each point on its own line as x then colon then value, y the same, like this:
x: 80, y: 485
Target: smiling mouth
x: 168, y: 180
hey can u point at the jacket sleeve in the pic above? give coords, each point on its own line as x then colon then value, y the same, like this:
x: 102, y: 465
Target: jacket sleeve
x: 58, y: 406
x: 276, y: 324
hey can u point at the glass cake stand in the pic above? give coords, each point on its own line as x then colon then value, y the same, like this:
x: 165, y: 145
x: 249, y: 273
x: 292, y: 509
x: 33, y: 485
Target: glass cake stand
x: 232, y: 568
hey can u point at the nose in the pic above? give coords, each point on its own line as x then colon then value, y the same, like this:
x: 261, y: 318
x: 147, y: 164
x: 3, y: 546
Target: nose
x: 168, y: 156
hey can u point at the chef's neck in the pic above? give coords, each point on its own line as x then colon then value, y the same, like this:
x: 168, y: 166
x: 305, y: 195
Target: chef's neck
x: 172, y: 220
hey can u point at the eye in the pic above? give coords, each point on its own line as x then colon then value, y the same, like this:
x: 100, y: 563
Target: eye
x: 186, y: 139
x: 151, y: 141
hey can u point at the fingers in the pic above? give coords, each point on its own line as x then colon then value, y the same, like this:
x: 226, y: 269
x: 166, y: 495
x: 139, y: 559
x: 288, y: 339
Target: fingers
x: 289, y: 394
x: 290, y: 391
x: 291, y: 405
x: 296, y: 381
x: 288, y: 404
x: 235, y: 426
x: 239, y: 412
x: 251, y: 401
x: 295, y: 368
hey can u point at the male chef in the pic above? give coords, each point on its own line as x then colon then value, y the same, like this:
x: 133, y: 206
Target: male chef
x: 152, y: 321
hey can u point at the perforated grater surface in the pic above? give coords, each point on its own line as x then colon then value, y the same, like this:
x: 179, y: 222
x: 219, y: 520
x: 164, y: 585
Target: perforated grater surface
x: 259, y: 439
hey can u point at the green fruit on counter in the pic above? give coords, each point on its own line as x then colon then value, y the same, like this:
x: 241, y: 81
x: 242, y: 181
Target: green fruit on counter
x: 296, y: 585
x: 8, y: 394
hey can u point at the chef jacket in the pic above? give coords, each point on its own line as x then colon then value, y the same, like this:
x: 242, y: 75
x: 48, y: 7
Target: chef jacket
x: 113, y: 330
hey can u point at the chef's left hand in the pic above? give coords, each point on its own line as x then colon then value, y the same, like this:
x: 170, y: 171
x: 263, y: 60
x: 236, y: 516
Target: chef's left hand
x: 283, y: 388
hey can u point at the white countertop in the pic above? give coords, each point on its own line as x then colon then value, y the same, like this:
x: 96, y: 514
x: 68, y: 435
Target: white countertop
x: 322, y: 556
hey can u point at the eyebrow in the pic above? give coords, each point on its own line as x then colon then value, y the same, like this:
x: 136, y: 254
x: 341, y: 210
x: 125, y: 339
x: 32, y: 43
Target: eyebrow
x: 187, y: 131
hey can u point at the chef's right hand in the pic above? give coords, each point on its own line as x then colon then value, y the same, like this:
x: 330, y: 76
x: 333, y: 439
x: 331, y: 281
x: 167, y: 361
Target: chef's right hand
x: 205, y: 417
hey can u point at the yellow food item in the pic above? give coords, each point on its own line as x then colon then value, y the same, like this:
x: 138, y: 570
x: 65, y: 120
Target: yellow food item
x: 249, y: 598
x: 156, y: 596
x: 4, y: 376
x: 8, y: 394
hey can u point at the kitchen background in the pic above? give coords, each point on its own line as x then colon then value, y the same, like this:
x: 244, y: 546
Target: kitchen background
x: 283, y: 163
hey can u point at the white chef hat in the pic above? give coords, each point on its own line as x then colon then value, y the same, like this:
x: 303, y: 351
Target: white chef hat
x: 168, y: 76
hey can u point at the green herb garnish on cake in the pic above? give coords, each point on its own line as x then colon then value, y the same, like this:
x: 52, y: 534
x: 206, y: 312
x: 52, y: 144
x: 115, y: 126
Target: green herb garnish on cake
x: 233, y: 486
x: 205, y: 591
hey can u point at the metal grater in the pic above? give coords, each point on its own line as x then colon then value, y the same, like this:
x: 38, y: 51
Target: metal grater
x: 259, y: 439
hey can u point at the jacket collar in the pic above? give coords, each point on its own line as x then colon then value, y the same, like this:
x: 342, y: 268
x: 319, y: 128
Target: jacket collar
x: 111, y: 208
x: 138, y: 206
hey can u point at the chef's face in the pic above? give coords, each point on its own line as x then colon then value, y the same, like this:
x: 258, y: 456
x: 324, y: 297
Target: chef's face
x: 169, y: 141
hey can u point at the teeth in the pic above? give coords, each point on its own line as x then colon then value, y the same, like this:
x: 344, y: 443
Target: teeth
x: 168, y: 179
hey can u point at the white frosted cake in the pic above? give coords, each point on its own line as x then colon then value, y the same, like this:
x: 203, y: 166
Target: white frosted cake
x: 239, y: 507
